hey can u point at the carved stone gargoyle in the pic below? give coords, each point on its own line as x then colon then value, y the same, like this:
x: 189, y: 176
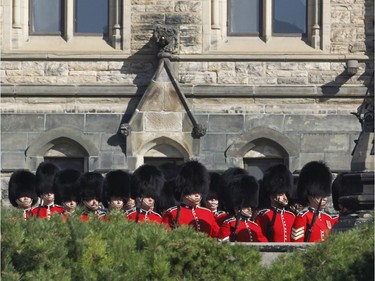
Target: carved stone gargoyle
x: 166, y: 39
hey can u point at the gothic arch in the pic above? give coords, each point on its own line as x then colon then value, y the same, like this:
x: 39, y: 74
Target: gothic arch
x: 235, y: 152
x: 164, y: 140
x: 47, y: 140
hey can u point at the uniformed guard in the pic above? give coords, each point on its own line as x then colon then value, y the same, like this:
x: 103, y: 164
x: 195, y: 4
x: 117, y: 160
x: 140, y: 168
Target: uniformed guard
x: 45, y: 176
x: 21, y: 191
x: 91, y: 193
x: 276, y: 222
x: 226, y: 192
x: 66, y: 190
x: 212, y: 200
x: 312, y: 224
x: 244, y: 201
x: 146, y: 182
x: 116, y: 190
x: 193, y: 183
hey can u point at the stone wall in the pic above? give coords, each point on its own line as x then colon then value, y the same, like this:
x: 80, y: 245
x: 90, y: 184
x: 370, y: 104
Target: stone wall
x: 301, y: 100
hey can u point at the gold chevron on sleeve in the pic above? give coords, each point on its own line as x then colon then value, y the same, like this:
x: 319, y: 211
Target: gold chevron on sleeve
x: 298, y: 233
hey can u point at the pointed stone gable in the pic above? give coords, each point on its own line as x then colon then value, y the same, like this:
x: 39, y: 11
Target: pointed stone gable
x: 162, y: 115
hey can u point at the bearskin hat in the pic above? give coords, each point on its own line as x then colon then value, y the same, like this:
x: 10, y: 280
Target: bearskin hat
x: 227, y: 177
x: 215, y: 187
x: 192, y: 178
x: 117, y: 184
x: 66, y: 186
x: 22, y: 184
x: 91, y: 186
x: 245, y: 191
x: 278, y: 179
x: 147, y: 181
x: 45, y: 175
x: 315, y: 179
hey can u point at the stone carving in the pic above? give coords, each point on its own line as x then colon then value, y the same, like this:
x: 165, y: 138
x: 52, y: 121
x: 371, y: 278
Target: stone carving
x: 198, y: 131
x: 125, y: 129
x: 166, y: 38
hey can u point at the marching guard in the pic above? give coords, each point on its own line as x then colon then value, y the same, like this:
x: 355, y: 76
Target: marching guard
x: 146, y: 182
x: 243, y: 201
x: 45, y: 176
x: 21, y: 191
x: 193, y: 183
x: 312, y: 224
x: 276, y: 222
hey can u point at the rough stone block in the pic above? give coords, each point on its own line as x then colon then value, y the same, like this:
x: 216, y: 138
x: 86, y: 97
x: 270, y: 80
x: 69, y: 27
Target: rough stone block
x: 65, y: 120
x: 13, y: 160
x: 106, y: 123
x: 106, y: 160
x: 323, y: 123
x: 338, y: 161
x: 262, y: 120
x: 214, y: 143
x: 163, y: 122
x: 226, y: 123
x: 325, y: 143
x: 13, y: 141
x: 22, y: 122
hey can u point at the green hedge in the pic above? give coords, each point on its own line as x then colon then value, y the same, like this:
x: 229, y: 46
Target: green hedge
x: 121, y: 250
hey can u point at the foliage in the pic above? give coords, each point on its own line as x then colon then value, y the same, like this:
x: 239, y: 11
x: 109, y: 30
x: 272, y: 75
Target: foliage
x: 38, y: 249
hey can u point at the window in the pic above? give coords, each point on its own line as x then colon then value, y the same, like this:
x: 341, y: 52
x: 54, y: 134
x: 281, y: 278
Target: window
x: 287, y: 20
x: 90, y: 17
x: 245, y: 17
x: 263, y: 25
x: 46, y: 17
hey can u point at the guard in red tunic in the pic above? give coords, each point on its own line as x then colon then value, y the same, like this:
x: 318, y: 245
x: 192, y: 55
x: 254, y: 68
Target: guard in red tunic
x: 244, y: 199
x: 212, y: 199
x: 116, y: 191
x: 314, y: 185
x: 146, y: 182
x: 91, y: 193
x: 21, y: 191
x: 276, y: 222
x: 193, y: 183
x: 45, y: 175
x: 67, y: 191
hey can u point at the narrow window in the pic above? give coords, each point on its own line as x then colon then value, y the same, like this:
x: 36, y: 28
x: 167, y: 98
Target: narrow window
x: 289, y: 17
x: 46, y: 17
x: 91, y: 17
x: 257, y: 166
x: 244, y: 17
x: 76, y: 163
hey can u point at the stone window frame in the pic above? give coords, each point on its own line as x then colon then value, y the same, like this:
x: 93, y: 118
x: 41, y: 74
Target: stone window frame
x: 40, y: 147
x: 244, y: 143
x: 17, y: 38
x: 216, y: 39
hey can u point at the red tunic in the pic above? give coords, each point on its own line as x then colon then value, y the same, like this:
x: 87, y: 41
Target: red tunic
x: 100, y: 213
x: 282, y: 226
x: 247, y: 230
x: 220, y: 217
x: 145, y: 216
x: 45, y: 211
x: 319, y: 231
x: 201, y: 219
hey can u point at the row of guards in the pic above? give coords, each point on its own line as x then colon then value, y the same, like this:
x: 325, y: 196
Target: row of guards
x: 231, y: 206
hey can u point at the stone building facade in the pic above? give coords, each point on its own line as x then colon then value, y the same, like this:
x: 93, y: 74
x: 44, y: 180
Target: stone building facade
x: 104, y: 102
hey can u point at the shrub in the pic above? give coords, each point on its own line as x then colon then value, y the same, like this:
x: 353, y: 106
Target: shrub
x: 122, y: 250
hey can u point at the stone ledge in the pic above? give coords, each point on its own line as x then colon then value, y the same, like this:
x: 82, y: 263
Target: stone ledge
x: 199, y: 91
x: 214, y: 56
